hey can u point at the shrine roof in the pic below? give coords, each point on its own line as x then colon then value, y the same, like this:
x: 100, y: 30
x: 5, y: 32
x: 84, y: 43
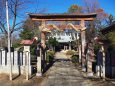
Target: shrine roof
x: 108, y: 29
x: 63, y: 17
x: 27, y: 42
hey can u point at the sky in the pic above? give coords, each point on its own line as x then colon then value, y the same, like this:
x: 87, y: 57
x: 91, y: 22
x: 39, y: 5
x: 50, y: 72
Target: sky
x: 61, y: 6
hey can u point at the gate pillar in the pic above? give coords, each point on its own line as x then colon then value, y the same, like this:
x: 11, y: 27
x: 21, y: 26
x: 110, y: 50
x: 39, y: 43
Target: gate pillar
x: 83, y: 43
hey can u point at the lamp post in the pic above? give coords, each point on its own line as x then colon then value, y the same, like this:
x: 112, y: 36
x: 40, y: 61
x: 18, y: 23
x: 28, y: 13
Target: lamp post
x: 9, y: 51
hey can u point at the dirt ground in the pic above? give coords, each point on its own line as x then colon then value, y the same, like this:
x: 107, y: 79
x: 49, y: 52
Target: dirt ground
x: 20, y: 81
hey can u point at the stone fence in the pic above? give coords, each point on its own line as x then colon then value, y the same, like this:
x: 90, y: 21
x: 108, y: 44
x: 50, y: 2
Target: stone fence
x: 19, y: 62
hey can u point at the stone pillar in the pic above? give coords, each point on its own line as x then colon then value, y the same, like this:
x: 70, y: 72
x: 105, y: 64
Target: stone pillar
x: 98, y: 70
x: 24, y: 60
x: 90, y: 59
x: 103, y: 53
x: 27, y: 52
x: 64, y: 47
x: 0, y: 58
x: 8, y: 59
x: 69, y: 45
x: 83, y: 42
x: 3, y: 58
x: 21, y: 58
x: 99, y: 64
x: 79, y: 47
x: 89, y: 64
x: 39, y: 64
x: 15, y: 58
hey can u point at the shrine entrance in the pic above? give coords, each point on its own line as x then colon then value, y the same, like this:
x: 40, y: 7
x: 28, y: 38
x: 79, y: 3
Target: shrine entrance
x: 46, y: 28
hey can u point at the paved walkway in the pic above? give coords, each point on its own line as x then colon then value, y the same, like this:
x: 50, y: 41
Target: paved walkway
x: 64, y: 73
x: 62, y: 55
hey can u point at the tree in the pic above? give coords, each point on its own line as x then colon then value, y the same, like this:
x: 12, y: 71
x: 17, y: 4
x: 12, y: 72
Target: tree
x: 110, y: 38
x: 30, y: 29
x: 27, y: 33
x: 92, y: 6
x: 75, y: 9
x: 110, y: 19
x: 16, y: 9
x: 52, y: 42
x: 14, y: 6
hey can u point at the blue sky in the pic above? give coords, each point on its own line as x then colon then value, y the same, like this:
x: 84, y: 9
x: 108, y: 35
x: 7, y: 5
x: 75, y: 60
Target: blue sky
x: 61, y: 6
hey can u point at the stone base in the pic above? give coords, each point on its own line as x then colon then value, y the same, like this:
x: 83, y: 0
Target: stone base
x: 23, y: 70
x: 89, y: 74
x: 83, y: 69
x: 15, y: 69
x: 38, y: 74
x: 6, y: 69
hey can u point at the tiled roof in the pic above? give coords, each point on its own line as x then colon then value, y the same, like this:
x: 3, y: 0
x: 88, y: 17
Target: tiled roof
x: 108, y: 29
x: 27, y: 42
x: 63, y: 17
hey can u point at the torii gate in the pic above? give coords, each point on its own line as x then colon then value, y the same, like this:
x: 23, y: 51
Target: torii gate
x: 63, y: 17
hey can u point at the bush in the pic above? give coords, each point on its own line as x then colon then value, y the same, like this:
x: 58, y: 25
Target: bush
x: 50, y: 56
x: 75, y: 58
x: 70, y: 52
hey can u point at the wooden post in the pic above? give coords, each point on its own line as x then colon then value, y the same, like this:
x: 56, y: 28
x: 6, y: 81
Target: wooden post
x: 79, y: 47
x: 43, y: 38
x: 83, y: 41
x: 40, y: 57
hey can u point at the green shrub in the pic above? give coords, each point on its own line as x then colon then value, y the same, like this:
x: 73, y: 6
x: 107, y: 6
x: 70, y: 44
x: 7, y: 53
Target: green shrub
x: 70, y: 52
x: 75, y: 58
x: 50, y: 56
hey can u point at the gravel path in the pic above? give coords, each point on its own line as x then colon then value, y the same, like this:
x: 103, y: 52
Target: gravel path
x: 64, y: 73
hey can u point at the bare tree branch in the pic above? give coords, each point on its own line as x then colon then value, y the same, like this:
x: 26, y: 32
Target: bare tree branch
x: 14, y: 20
x: 3, y: 28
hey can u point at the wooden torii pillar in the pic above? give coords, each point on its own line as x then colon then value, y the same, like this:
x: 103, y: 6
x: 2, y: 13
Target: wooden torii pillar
x: 42, y: 57
x: 83, y: 43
